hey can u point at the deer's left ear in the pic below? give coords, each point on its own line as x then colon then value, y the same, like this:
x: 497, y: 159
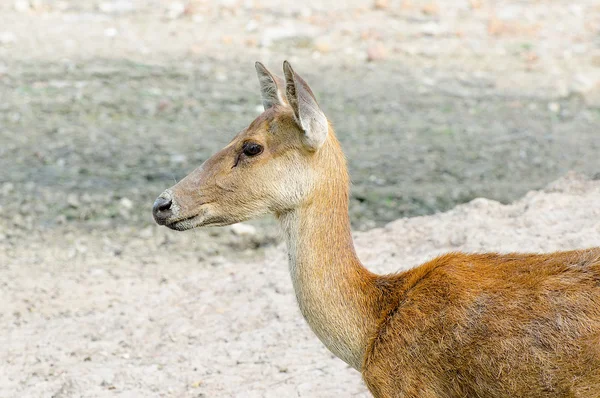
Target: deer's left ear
x: 271, y: 87
x: 307, y: 112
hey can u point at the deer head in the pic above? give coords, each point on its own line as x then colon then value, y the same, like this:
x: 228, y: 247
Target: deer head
x: 272, y: 166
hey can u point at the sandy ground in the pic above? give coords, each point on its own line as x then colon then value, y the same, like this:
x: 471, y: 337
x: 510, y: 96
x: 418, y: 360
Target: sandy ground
x: 159, y: 324
x: 104, y: 104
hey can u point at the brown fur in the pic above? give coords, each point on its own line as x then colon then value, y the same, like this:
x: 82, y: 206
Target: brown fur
x: 462, y: 325
x: 490, y: 325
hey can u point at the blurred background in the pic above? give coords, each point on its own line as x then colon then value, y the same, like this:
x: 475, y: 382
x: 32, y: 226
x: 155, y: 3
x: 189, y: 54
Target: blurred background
x: 105, y: 103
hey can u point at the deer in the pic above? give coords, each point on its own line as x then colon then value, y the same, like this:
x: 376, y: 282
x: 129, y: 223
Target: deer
x: 460, y: 325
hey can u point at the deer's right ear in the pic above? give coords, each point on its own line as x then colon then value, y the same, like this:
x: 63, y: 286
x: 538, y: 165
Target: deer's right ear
x: 271, y: 87
x: 307, y: 112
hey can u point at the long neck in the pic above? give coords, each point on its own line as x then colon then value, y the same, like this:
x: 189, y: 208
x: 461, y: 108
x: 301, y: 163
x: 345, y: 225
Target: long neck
x: 336, y: 294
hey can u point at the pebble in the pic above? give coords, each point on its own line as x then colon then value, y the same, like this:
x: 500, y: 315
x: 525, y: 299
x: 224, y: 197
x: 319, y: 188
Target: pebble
x: 381, y: 4
x: 7, y: 188
x: 582, y: 84
x: 22, y: 6
x: 376, y: 52
x: 243, y: 229
x: 252, y: 26
x: 431, y: 9
x: 178, y: 158
x: 7, y: 37
x: 73, y: 200
x: 126, y: 203
x: 554, y: 107
x: 175, y: 10
x: 110, y: 32
x: 146, y: 232
x: 432, y: 29
x: 115, y: 7
x: 322, y: 46
x: 97, y: 272
x: 287, y: 30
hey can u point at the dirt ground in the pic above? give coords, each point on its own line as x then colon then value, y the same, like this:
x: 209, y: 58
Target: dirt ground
x: 151, y: 322
x: 103, y: 104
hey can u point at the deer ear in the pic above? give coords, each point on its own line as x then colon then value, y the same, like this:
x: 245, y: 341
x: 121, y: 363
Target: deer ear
x: 309, y: 116
x: 271, y: 87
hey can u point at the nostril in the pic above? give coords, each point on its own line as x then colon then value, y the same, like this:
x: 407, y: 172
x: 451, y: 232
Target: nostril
x: 162, y: 204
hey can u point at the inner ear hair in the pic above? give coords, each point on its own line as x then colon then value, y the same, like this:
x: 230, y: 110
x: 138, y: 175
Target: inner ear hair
x: 309, y: 116
x: 271, y: 87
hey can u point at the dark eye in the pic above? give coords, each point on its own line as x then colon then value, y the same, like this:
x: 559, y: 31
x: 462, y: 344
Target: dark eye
x: 252, y: 149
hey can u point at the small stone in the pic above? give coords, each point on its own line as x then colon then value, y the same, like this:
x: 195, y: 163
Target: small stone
x: 457, y: 238
x: 251, y: 42
x: 381, y: 4
x: 475, y: 4
x: 431, y: 9
x: 220, y: 76
x: 432, y: 29
x: 146, y: 232
x: 110, y: 32
x: 178, y: 158
x: 252, y: 25
x: 175, y: 10
x: 306, y: 12
x: 241, y: 229
x: 584, y: 83
x: 115, y: 7
x: 592, y: 97
x: 7, y: 37
x: 376, y: 52
x: 126, y: 203
x: 97, y: 272
x: 22, y: 6
x: 302, y: 34
x: 554, y: 107
x: 322, y: 47
x: 7, y: 188
x: 73, y: 200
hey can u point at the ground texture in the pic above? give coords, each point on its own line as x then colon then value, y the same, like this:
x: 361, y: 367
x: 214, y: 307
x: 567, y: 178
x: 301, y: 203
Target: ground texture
x: 104, y: 104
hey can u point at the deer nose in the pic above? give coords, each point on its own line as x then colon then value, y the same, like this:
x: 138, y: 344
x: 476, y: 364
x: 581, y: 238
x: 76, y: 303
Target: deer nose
x: 161, y: 210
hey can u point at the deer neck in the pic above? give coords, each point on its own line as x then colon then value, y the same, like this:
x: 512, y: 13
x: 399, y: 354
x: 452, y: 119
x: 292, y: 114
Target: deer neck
x: 336, y: 294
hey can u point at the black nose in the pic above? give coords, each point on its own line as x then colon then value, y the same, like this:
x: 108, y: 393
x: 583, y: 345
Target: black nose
x: 162, y: 209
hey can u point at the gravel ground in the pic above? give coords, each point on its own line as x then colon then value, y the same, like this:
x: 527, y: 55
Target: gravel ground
x: 103, y: 104
x: 158, y: 322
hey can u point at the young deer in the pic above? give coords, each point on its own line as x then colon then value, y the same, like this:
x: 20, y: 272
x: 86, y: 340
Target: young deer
x: 462, y: 325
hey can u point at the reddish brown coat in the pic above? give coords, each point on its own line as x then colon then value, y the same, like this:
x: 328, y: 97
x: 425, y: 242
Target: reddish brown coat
x: 490, y: 325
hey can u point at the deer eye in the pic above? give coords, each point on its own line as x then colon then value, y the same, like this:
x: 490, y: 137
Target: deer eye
x: 252, y: 149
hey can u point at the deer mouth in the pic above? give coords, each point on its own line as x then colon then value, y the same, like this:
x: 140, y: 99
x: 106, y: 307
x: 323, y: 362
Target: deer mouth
x: 182, y: 224
x: 200, y: 218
